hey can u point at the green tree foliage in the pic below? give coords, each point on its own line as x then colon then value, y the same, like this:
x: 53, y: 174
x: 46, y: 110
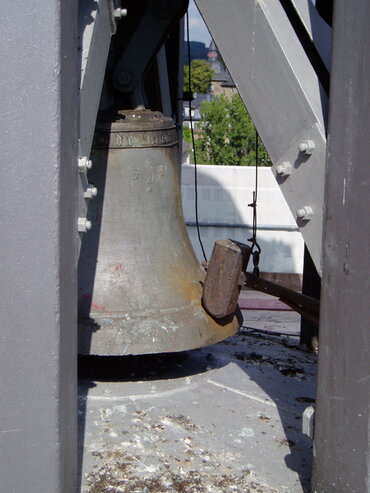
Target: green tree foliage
x: 227, y: 135
x: 201, y: 76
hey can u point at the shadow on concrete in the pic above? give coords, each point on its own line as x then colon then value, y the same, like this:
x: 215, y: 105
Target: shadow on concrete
x: 276, y: 364
x: 147, y: 367
x: 279, y: 367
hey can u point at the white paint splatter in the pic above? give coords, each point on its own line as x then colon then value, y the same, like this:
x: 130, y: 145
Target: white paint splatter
x: 246, y: 433
x: 344, y: 190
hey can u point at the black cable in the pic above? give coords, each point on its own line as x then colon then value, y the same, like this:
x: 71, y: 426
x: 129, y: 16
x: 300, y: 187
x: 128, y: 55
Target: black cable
x: 193, y: 143
x: 256, y: 249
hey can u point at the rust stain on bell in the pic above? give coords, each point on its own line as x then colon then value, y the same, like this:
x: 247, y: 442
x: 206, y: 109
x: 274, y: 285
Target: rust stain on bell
x: 152, y: 301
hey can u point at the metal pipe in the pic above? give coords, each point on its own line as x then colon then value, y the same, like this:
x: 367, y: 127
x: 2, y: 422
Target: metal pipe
x: 262, y: 227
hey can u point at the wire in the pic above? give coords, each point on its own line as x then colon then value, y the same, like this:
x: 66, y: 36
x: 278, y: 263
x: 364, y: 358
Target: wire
x: 193, y: 143
x: 256, y: 249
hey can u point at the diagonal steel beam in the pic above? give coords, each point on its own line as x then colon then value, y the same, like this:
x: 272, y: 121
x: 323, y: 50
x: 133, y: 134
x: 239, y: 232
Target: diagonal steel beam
x: 96, y: 25
x: 284, y: 97
x: 317, y: 29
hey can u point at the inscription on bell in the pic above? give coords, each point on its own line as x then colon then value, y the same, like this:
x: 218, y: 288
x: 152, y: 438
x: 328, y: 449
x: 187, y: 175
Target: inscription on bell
x: 144, y: 139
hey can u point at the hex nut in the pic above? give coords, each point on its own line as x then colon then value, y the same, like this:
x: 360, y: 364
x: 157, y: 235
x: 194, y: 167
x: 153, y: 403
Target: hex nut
x: 90, y: 192
x: 84, y: 164
x: 307, y: 146
x: 119, y: 13
x: 83, y: 225
x: 305, y: 213
x: 124, y: 78
x: 284, y: 169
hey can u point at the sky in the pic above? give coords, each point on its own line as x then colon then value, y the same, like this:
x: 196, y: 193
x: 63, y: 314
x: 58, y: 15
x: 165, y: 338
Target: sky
x: 198, y: 30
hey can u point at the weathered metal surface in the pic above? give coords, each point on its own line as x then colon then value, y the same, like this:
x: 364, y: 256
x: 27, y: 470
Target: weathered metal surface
x: 136, y: 129
x: 38, y: 230
x: 139, y: 281
x: 283, y: 95
x: 152, y: 29
x: 223, y: 279
x: 342, y: 422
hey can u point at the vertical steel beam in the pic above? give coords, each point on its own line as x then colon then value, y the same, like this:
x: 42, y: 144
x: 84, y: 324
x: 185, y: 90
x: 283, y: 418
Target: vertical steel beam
x: 38, y: 241
x: 342, y: 428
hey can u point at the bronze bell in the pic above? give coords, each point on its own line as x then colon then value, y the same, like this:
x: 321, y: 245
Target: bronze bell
x: 140, y: 284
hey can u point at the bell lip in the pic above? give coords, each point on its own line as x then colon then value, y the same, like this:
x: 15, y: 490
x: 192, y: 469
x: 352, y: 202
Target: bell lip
x: 113, y: 346
x: 98, y: 336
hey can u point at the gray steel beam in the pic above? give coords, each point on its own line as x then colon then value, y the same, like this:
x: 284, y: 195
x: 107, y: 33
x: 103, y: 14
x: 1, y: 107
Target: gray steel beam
x: 38, y: 231
x: 283, y: 95
x: 164, y: 87
x: 342, y: 427
x: 318, y: 30
x: 96, y: 24
x: 154, y: 24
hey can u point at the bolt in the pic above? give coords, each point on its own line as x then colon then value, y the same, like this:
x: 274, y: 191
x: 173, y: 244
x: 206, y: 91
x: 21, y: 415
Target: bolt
x: 305, y: 213
x: 83, y: 225
x: 284, y: 169
x: 90, y: 192
x: 307, y: 146
x: 84, y: 163
x: 308, y: 421
x: 124, y: 78
x: 119, y: 13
